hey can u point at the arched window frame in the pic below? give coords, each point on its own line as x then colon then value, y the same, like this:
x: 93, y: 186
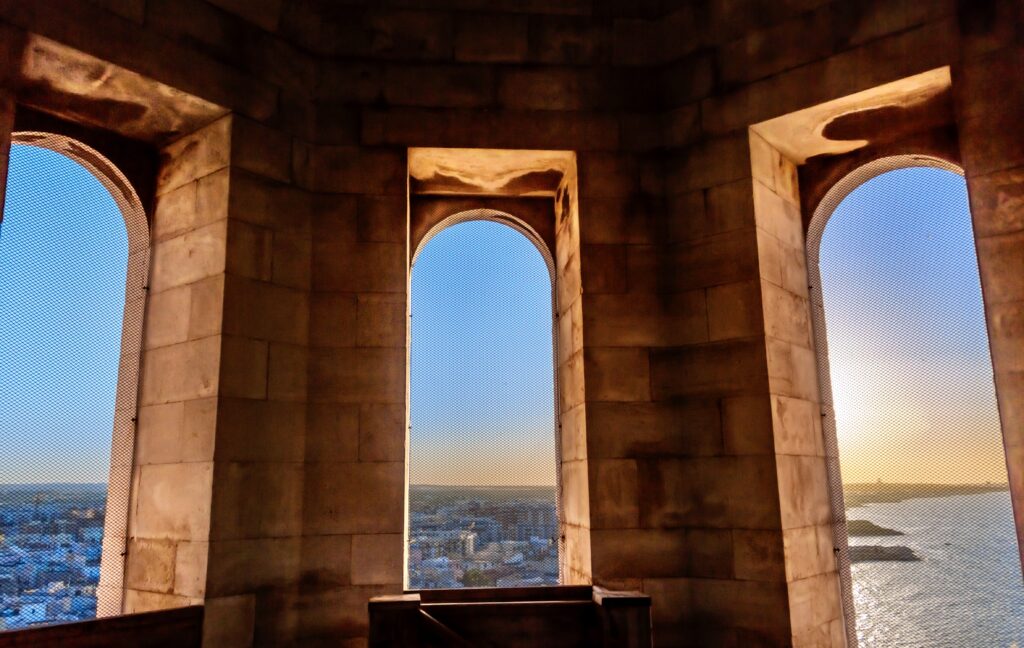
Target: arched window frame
x: 815, y: 231
x: 110, y: 592
x: 503, y: 218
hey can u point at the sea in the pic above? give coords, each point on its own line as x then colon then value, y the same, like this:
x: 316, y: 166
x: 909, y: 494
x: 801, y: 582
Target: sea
x: 966, y: 591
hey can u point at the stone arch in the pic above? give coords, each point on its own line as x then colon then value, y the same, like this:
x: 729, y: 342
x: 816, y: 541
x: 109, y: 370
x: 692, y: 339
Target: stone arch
x: 822, y: 213
x: 542, y: 246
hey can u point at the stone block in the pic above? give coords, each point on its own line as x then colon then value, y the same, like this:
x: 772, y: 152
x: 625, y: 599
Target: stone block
x: 287, y: 372
x: 333, y: 319
x: 491, y: 38
x: 173, y: 501
x: 260, y: 430
x: 603, y: 269
x: 411, y: 34
x: 710, y: 492
x: 382, y: 432
x: 1002, y: 267
x: 814, y: 603
x: 617, y: 374
x: 604, y: 175
x: 150, y: 565
x: 228, y: 621
x: 792, y: 370
x: 620, y: 430
x: 195, y: 155
x: 281, y: 208
x: 292, y: 260
x: 808, y: 551
x: 638, y: 553
x: 256, y: 500
x: 194, y: 255
x: 190, y: 569
x: 265, y: 311
x: 759, y: 555
x: 175, y: 212
x: 349, y: 169
x: 167, y: 317
x: 709, y: 163
x: 382, y: 219
x: 439, y: 86
x: 370, y: 375
x: 787, y: 316
x: 722, y: 368
x: 261, y: 150
x: 246, y: 565
x: 136, y: 601
x: 243, y: 367
x: 997, y: 202
x: 747, y: 425
x: 181, y: 371
x: 575, y: 494
x: 355, y: 497
x: 734, y: 311
x: 568, y: 40
x: 778, y: 216
x: 206, y: 307
x: 362, y: 267
x: 182, y: 431
x: 572, y: 434
x: 326, y: 560
x: 624, y: 320
x: 548, y: 89
x: 614, y: 493
x: 381, y: 320
x: 250, y: 251
x: 797, y: 426
x: 377, y: 559
x: 712, y: 261
x: 803, y: 490
x: 333, y: 433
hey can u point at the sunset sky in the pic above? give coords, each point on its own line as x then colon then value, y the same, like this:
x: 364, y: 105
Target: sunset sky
x: 908, y: 349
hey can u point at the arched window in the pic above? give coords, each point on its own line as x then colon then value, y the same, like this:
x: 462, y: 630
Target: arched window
x: 925, y: 530
x: 483, y: 458
x: 74, y: 255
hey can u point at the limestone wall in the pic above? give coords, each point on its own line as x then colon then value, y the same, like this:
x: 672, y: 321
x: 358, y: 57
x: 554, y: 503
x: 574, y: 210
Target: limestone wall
x: 270, y: 465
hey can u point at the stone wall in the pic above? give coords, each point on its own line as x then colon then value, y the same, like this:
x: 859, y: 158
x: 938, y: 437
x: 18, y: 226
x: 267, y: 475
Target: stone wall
x: 270, y: 465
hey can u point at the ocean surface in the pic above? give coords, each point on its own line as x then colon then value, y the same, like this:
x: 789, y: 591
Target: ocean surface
x: 967, y: 590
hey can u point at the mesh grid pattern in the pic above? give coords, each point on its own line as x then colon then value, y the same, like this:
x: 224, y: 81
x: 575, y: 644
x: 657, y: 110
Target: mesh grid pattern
x: 73, y: 232
x: 923, y: 530
x: 483, y: 453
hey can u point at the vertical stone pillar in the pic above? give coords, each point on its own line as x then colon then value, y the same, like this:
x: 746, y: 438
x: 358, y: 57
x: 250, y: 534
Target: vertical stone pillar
x: 811, y: 576
x: 172, y: 479
x: 989, y: 101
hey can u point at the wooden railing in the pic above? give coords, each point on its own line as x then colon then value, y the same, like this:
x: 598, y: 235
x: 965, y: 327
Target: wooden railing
x: 177, y: 628
x: 540, y: 617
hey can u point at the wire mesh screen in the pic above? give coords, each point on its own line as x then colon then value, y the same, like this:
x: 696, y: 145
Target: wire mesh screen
x: 925, y: 532
x: 69, y: 349
x: 483, y: 463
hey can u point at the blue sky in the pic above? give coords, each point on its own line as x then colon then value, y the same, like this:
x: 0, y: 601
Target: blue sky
x: 481, y: 375
x: 908, y: 349
x: 63, y: 265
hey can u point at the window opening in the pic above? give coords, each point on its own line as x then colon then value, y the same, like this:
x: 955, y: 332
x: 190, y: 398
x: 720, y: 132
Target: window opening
x: 73, y: 232
x: 483, y: 459
x: 928, y: 551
